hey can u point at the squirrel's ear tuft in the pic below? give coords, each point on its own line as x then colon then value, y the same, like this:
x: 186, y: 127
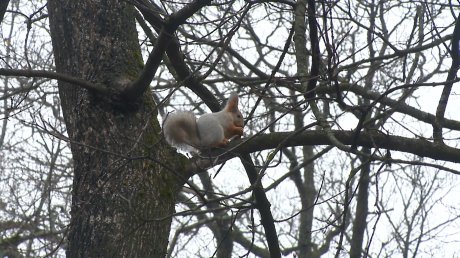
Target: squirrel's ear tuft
x: 232, y: 103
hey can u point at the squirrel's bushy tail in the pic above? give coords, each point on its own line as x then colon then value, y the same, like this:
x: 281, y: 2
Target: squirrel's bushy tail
x: 180, y: 130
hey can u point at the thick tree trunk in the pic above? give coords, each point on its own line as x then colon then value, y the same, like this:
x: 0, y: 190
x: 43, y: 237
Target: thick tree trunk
x: 122, y: 197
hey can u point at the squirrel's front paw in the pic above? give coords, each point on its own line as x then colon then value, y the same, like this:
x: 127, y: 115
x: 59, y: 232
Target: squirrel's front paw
x: 239, y: 131
x: 223, y: 143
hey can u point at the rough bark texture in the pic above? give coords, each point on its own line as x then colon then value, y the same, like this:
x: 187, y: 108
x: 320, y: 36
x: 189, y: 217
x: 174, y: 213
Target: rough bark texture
x: 122, y: 198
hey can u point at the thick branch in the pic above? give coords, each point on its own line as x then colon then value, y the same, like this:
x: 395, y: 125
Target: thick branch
x: 179, y: 18
x: 183, y: 72
x: 314, y: 73
x: 263, y: 205
x: 362, y: 209
x: 420, y: 147
x: 189, y: 78
x: 315, y: 52
x: 136, y: 89
x: 441, y: 109
x: 374, y: 139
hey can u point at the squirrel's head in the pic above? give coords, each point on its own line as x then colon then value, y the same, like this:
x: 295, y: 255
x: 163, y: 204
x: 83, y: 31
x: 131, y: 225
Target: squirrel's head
x: 232, y: 107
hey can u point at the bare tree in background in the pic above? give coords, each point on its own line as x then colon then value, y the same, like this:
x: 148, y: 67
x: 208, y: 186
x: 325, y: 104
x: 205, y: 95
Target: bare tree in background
x: 350, y: 147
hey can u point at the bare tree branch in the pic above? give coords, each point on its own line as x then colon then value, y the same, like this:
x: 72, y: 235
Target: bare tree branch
x: 263, y: 205
x: 169, y: 26
x: 99, y: 88
x: 371, y: 139
x: 441, y: 109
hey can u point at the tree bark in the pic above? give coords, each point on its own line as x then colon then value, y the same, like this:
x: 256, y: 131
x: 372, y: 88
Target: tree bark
x: 122, y: 197
x: 307, y: 199
x: 362, y: 210
x: 3, y: 6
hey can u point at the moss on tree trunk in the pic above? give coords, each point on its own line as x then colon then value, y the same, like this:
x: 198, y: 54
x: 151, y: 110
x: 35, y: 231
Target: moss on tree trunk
x: 122, y: 197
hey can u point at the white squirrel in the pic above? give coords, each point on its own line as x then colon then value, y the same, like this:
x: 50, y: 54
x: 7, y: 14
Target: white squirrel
x: 182, y: 129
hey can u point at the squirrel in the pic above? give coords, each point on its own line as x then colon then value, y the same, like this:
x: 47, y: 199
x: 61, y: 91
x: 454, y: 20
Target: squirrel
x: 211, y: 130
